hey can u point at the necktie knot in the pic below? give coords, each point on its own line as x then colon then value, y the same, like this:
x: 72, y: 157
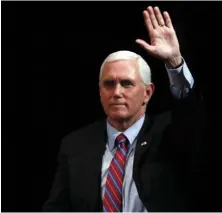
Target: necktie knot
x: 122, y: 141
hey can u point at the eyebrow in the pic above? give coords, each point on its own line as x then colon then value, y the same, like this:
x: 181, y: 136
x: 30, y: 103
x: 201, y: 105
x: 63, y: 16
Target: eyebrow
x: 122, y: 81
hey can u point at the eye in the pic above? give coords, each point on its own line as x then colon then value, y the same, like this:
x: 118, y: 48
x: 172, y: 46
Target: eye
x: 109, y: 83
x: 126, y: 83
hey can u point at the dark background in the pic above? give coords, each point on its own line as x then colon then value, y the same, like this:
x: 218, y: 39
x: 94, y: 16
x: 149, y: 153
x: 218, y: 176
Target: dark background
x: 51, y: 55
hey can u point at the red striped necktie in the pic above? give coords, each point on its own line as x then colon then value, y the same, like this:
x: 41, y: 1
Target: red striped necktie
x: 112, y: 201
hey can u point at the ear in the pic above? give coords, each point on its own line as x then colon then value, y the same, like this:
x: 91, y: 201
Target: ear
x: 148, y: 92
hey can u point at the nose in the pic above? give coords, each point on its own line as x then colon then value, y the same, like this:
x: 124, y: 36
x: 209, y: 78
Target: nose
x: 117, y: 91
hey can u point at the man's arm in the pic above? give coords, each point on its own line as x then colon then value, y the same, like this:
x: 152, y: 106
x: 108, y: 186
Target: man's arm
x: 164, y: 45
x: 181, y: 80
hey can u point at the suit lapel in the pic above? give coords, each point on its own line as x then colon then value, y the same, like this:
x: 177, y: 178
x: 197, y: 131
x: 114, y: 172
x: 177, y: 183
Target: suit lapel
x: 150, y: 134
x: 144, y: 140
x: 149, y: 140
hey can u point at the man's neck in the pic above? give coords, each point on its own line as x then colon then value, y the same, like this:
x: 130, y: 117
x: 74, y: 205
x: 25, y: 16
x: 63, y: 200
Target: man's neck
x: 122, y: 125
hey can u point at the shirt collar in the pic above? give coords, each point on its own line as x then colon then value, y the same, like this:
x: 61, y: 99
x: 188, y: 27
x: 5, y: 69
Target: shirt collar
x: 131, y: 133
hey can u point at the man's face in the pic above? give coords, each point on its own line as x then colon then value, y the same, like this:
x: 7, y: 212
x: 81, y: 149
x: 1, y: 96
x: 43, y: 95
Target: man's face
x: 122, y: 92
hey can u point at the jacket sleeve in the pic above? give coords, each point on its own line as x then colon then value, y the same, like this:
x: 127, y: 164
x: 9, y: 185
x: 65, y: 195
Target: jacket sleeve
x: 189, y: 121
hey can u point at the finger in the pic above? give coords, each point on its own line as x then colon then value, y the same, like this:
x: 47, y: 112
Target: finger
x: 167, y: 19
x: 147, y: 21
x: 145, y: 45
x: 152, y: 17
x: 159, y: 16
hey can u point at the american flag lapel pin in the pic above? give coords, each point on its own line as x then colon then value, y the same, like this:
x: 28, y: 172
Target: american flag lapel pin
x: 144, y: 143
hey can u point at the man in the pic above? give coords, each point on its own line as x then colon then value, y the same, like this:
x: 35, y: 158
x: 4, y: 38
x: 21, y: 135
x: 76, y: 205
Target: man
x: 132, y: 161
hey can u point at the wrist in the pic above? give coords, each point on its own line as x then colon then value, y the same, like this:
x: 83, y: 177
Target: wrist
x: 174, y: 62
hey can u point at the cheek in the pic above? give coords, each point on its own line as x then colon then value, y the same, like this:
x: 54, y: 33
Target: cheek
x: 135, y: 99
x: 105, y: 95
x: 104, y: 98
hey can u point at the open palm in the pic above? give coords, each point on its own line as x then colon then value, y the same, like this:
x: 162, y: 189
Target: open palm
x: 163, y: 40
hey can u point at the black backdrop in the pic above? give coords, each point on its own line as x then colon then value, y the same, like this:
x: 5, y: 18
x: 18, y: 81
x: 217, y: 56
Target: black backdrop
x: 51, y: 55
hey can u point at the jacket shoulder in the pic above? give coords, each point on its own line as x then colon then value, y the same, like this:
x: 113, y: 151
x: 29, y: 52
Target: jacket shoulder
x: 83, y: 136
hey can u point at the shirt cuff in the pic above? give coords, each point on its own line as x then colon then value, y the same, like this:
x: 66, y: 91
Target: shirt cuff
x: 181, y: 80
x: 181, y: 76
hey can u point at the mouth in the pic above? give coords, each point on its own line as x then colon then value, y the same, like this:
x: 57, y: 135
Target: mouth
x: 117, y: 104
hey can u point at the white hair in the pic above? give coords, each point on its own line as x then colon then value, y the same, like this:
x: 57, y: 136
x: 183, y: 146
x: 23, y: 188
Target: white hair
x: 144, y: 69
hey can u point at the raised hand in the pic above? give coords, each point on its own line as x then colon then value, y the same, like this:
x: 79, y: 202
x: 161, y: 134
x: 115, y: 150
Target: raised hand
x: 163, y: 40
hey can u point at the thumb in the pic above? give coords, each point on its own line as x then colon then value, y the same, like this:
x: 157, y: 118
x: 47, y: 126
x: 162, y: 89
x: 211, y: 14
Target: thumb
x: 150, y: 49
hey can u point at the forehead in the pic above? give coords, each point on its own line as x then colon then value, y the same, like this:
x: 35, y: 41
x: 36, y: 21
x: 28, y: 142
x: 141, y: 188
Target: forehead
x: 121, y: 69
